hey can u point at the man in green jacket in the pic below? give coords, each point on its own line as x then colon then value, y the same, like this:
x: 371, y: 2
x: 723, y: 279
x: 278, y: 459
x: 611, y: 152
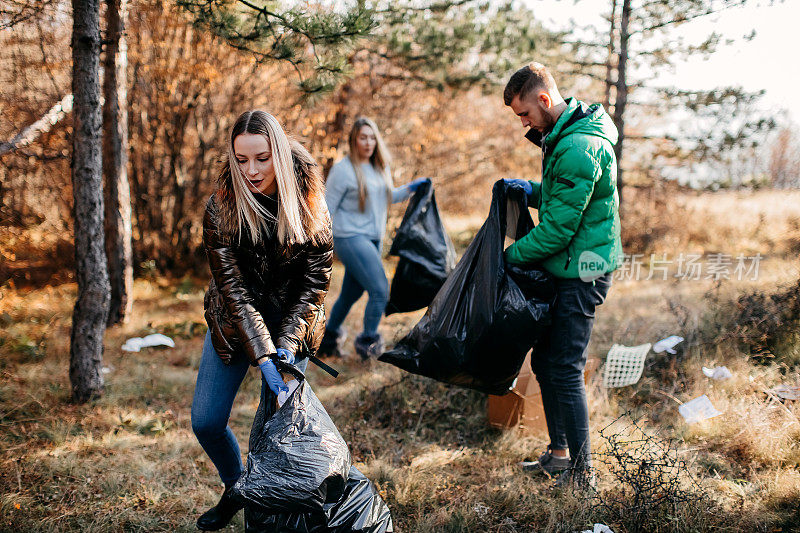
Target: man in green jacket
x: 577, y: 241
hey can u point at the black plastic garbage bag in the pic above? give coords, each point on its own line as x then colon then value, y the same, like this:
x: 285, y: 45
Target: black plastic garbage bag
x: 426, y: 254
x: 361, y: 510
x: 487, y: 315
x: 297, y: 461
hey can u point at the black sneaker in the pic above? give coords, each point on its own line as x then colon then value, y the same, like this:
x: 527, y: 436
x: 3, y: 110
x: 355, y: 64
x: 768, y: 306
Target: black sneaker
x: 548, y: 464
x: 331, y: 344
x: 581, y: 480
x: 368, y: 346
x: 221, y: 514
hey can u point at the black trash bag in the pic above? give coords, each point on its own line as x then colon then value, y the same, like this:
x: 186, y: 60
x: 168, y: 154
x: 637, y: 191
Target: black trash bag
x: 481, y: 324
x: 297, y: 461
x: 361, y: 510
x: 426, y: 254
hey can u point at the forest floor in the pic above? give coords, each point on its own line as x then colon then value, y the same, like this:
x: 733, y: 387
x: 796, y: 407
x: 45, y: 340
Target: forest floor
x: 128, y: 461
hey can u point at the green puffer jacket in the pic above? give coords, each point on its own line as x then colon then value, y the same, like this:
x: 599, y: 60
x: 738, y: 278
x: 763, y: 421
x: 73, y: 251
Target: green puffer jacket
x: 578, y: 204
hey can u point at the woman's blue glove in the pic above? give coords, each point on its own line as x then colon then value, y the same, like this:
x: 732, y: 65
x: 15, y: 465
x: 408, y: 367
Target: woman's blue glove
x: 273, y: 377
x: 286, y: 356
x: 525, y: 184
x: 414, y: 185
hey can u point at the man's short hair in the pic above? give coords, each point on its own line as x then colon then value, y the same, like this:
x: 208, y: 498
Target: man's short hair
x: 527, y: 79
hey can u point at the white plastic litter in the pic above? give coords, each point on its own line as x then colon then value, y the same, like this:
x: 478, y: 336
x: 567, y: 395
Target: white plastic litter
x: 668, y: 345
x: 718, y: 372
x: 698, y: 410
x: 787, y: 392
x: 284, y: 395
x: 481, y: 508
x: 624, y: 365
x: 598, y: 528
x: 135, y: 344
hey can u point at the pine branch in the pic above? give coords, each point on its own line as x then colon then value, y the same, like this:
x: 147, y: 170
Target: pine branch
x: 438, y: 7
x: 588, y: 75
x: 312, y: 43
x: 585, y: 44
x: 587, y: 63
x: 681, y: 18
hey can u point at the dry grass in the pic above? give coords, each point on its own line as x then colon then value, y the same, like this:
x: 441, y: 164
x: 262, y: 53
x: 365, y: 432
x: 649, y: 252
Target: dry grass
x: 129, y: 461
x: 667, y: 219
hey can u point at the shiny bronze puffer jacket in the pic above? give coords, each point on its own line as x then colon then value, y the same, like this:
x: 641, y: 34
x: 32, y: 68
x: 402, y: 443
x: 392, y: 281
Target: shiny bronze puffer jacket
x: 251, y: 282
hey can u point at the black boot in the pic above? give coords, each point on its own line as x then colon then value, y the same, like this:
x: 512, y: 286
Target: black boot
x: 218, y: 516
x: 369, y: 346
x: 331, y: 344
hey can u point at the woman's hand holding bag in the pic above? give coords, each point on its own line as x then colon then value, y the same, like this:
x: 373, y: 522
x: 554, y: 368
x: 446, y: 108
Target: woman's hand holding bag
x: 273, y: 377
x: 270, y: 371
x: 285, y: 355
x: 414, y: 185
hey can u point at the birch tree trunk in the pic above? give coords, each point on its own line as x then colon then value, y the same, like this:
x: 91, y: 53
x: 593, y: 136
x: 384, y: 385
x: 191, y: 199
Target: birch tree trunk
x: 119, y: 248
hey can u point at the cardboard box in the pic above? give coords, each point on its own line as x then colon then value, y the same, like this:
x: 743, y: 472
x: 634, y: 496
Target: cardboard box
x: 522, y: 407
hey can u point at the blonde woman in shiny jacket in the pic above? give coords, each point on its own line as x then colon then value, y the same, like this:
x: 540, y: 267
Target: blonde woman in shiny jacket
x: 267, y: 234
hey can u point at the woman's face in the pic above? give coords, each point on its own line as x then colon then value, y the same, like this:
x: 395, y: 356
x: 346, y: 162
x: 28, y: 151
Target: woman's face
x: 365, y: 142
x: 254, y: 157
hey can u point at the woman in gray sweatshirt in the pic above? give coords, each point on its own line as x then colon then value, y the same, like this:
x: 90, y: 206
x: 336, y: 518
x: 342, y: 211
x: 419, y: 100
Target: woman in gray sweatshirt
x: 359, y: 191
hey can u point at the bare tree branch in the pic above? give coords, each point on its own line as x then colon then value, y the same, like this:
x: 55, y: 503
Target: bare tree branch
x: 43, y: 125
x: 14, y: 12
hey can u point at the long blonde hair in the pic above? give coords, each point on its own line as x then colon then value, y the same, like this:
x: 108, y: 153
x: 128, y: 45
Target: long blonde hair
x: 300, y: 214
x: 380, y: 160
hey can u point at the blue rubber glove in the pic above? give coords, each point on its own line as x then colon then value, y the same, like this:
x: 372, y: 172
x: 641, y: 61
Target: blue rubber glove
x: 273, y: 377
x: 414, y: 185
x: 525, y: 184
x: 286, y: 356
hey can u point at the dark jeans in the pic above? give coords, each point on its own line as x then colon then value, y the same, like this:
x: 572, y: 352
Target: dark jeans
x: 558, y: 363
x: 216, y: 388
x: 363, y: 270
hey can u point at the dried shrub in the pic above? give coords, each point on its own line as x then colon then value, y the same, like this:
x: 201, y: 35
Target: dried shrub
x: 767, y: 325
x: 649, y: 216
x: 652, y: 488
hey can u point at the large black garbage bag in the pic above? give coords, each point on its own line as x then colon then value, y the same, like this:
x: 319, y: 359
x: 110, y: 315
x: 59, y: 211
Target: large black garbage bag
x: 297, y: 461
x: 481, y: 324
x: 361, y: 510
x: 426, y: 254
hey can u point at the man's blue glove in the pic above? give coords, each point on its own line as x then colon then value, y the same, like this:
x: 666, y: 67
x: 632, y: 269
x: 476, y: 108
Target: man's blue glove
x: 285, y: 356
x: 273, y: 377
x: 525, y: 184
x: 414, y: 185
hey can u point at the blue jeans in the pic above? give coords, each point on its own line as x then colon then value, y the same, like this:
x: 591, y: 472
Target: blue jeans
x: 217, y: 385
x: 363, y: 270
x: 558, y: 362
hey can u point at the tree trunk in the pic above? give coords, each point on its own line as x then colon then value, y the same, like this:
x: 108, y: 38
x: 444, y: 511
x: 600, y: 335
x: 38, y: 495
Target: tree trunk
x: 611, y: 50
x: 91, y: 307
x: 622, y: 90
x: 336, y: 126
x: 119, y: 249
